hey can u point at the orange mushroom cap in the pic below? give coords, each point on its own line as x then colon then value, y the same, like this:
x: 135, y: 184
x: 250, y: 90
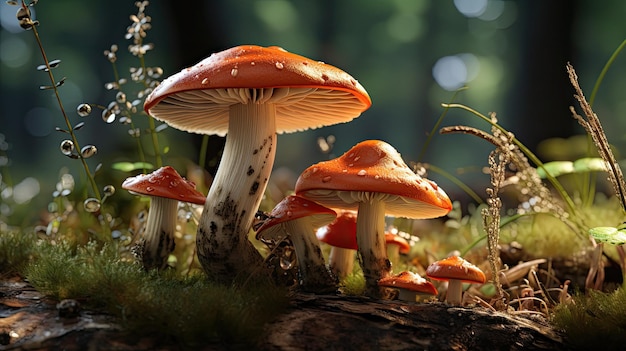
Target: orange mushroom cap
x: 317, y: 94
x: 167, y: 183
x: 455, y: 267
x: 410, y: 281
x: 393, y: 239
x: 341, y: 232
x: 376, y: 167
x: 294, y: 207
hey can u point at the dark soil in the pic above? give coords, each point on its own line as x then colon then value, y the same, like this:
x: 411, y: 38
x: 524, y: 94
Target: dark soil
x: 30, y: 321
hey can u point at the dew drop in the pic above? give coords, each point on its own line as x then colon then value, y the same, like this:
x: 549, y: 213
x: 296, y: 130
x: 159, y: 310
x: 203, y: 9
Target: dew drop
x: 91, y: 205
x: 289, y: 213
x: 286, y: 263
x: 149, y: 189
x: 88, y: 151
x: 361, y: 172
x: 326, y: 179
x: 108, y: 190
x: 279, y: 65
x: 205, y: 81
x: 67, y: 146
x: 233, y: 72
x: 120, y: 97
x: 83, y: 110
x: 108, y: 116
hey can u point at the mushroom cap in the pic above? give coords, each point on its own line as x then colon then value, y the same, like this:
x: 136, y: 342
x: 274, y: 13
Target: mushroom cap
x: 373, y: 166
x: 341, y: 232
x: 393, y: 239
x: 312, y: 94
x: 291, y: 208
x: 409, y: 281
x: 165, y: 182
x: 455, y: 267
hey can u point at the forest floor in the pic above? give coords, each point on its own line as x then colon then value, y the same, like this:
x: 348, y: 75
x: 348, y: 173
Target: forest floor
x: 31, y: 321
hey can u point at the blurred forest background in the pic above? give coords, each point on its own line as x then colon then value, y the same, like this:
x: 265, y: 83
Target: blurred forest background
x: 410, y: 55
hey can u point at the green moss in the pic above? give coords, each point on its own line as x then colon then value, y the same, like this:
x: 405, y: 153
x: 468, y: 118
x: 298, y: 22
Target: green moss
x: 184, y: 310
x: 16, y: 250
x: 594, y: 319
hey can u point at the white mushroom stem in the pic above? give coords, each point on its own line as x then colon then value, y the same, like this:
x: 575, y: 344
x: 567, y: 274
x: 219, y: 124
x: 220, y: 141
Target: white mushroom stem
x: 314, y: 276
x: 455, y: 292
x: 408, y: 295
x: 222, y: 241
x: 370, y: 236
x: 341, y: 261
x: 159, y: 232
x: 393, y: 253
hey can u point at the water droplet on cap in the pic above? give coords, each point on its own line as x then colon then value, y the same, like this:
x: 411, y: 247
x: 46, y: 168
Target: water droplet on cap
x: 279, y: 65
x: 233, y: 72
x: 326, y: 179
x: 361, y: 172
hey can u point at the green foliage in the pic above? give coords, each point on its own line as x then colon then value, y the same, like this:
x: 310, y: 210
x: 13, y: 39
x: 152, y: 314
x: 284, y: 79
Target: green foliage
x: 594, y: 319
x: 16, y: 250
x: 187, y: 310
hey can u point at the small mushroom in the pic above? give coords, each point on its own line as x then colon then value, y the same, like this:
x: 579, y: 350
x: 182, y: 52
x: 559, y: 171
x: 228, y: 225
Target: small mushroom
x: 396, y: 245
x: 340, y: 234
x: 250, y: 93
x: 166, y: 188
x: 456, y: 271
x: 297, y: 218
x: 409, y: 285
x: 372, y: 178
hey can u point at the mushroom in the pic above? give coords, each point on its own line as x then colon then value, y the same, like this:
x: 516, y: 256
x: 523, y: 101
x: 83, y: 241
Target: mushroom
x: 297, y: 218
x: 372, y: 178
x: 396, y: 245
x: 456, y: 271
x: 340, y: 234
x: 250, y: 93
x: 166, y: 188
x: 409, y: 285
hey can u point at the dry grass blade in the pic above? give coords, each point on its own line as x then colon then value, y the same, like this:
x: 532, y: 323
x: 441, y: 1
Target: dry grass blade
x: 594, y: 128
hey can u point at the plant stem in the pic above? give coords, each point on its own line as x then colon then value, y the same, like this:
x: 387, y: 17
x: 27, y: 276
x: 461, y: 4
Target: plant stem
x: 70, y: 128
x: 557, y: 185
x: 437, y: 124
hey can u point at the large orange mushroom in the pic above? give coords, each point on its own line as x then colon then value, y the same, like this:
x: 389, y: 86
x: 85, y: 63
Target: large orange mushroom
x: 372, y: 178
x: 250, y: 93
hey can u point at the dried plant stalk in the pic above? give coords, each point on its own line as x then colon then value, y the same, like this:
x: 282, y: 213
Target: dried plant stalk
x: 491, y: 218
x: 594, y: 128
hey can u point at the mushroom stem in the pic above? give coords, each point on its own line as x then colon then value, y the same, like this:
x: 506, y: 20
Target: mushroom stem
x: 341, y: 261
x: 393, y: 254
x: 455, y: 292
x: 159, y: 232
x: 314, y: 276
x: 370, y: 236
x: 222, y: 241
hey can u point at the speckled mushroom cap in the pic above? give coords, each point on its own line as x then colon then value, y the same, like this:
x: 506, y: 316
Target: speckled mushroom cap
x: 291, y: 208
x: 165, y: 182
x: 403, y: 245
x: 455, y: 267
x: 409, y: 281
x: 307, y: 93
x: 373, y: 166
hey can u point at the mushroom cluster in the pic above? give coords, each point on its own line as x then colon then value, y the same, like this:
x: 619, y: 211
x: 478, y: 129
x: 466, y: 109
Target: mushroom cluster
x: 373, y: 179
x: 250, y: 93
x: 297, y: 218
